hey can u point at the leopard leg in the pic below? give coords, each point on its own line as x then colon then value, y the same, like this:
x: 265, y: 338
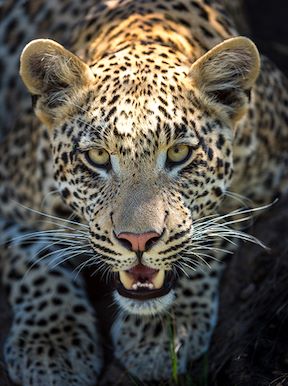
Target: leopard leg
x: 187, y: 327
x: 53, y: 338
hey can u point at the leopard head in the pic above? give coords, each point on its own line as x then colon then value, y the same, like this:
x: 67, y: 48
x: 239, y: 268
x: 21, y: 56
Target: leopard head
x: 143, y: 149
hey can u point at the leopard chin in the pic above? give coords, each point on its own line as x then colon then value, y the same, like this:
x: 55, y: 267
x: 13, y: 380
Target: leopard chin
x: 153, y: 306
x: 143, y: 290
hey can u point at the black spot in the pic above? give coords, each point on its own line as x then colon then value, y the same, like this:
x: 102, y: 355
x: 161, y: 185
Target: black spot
x: 39, y: 281
x: 187, y: 292
x: 79, y: 309
x: 103, y: 99
x: 76, y: 342
x: 67, y: 328
x: 210, y: 153
x: 55, y: 273
x: 64, y: 157
x: 184, y: 22
x: 42, y: 305
x: 51, y: 352
x: 206, y: 32
x: 114, y: 99
x: 42, y: 322
x: 65, y: 192
x: 202, y: 12
x: 57, y: 301
x: 180, y: 7
x: 220, y: 142
x: 110, y: 113
x: 217, y: 191
x: 24, y: 289
x: 54, y: 331
x: 158, y: 329
x: 14, y: 275
x: 53, y: 317
x: 62, y: 289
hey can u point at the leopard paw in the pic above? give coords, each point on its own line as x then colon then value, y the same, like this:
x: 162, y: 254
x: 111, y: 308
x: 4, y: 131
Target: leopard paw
x: 58, y: 356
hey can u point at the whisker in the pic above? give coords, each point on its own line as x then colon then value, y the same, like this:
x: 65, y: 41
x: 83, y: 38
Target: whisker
x: 208, y: 256
x: 48, y: 195
x: 51, y: 216
x: 64, y: 226
x: 60, y: 243
x: 214, y: 249
x: 239, y: 235
x: 71, y: 256
x: 179, y: 266
x: 62, y: 237
x: 63, y: 251
x: 38, y: 260
x: 39, y: 233
x: 217, y: 217
x: 91, y: 261
x: 192, y: 264
x: 203, y: 260
x: 239, y: 198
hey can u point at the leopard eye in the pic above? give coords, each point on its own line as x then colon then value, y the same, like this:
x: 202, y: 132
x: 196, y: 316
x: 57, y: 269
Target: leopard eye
x: 178, y: 154
x: 97, y: 157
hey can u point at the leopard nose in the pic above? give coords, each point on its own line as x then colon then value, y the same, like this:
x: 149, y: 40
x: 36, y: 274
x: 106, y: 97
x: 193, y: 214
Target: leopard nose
x: 138, y: 242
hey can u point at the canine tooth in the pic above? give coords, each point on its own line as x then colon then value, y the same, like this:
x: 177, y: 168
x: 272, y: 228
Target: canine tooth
x: 151, y: 286
x: 158, y: 280
x: 126, y: 279
x: 134, y: 286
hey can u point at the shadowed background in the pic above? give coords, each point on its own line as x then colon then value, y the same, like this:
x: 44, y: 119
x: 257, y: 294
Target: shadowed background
x: 250, y: 343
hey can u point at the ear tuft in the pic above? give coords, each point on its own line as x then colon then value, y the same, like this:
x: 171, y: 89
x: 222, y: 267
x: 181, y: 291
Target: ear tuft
x: 226, y: 73
x: 50, y: 71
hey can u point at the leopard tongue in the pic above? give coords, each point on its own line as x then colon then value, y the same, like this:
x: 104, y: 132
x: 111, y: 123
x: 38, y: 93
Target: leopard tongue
x: 128, y: 279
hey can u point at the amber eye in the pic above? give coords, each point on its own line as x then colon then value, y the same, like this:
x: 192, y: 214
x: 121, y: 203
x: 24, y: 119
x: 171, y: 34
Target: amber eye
x: 97, y: 157
x: 178, y: 154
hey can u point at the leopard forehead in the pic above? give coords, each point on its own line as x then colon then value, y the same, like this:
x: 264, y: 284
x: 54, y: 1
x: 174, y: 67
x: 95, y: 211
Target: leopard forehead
x: 140, y: 106
x: 144, y: 130
x: 139, y: 93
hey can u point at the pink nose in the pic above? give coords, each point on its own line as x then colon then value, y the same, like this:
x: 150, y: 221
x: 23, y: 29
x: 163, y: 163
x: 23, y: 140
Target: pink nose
x: 139, y: 242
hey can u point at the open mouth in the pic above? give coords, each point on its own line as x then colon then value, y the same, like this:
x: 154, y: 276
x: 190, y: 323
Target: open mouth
x: 142, y: 283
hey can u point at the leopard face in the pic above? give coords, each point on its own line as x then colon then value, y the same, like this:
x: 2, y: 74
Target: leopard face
x: 142, y: 150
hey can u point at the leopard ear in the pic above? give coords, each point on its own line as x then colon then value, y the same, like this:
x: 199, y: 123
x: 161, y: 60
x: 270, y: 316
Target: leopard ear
x: 55, y: 77
x: 226, y: 73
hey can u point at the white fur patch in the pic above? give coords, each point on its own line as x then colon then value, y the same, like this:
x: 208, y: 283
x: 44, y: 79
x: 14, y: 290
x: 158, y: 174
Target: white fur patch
x: 145, y: 307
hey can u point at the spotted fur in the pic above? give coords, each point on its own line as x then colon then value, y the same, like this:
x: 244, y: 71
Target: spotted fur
x: 135, y: 78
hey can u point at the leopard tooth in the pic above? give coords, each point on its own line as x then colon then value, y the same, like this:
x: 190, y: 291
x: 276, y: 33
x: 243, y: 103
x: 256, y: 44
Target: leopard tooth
x: 126, y: 279
x: 158, y: 279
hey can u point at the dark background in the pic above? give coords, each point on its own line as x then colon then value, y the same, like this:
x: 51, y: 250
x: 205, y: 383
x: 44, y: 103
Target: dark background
x: 250, y: 344
x: 268, y: 24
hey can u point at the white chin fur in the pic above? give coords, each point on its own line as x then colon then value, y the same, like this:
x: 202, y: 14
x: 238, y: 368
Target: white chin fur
x: 145, y: 307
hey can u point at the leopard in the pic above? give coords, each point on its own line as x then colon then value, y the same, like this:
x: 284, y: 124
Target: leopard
x: 154, y: 127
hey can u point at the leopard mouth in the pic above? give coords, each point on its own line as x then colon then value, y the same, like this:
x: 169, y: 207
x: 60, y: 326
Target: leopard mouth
x: 143, y: 283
